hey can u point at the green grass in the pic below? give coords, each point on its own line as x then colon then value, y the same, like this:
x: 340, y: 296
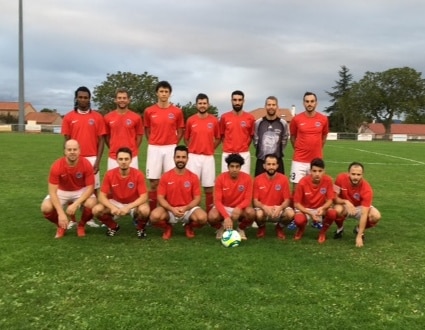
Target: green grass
x: 98, y: 282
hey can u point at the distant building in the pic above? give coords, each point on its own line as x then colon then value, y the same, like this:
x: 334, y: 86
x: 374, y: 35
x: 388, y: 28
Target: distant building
x: 12, y: 108
x: 413, y: 131
x: 44, y: 118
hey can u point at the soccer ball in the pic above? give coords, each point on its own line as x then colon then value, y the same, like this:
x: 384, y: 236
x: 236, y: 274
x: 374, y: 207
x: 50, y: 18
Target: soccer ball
x: 231, y: 238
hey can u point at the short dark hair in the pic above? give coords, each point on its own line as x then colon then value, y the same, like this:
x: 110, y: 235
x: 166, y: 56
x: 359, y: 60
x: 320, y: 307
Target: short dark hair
x: 163, y: 84
x: 238, y: 92
x: 270, y: 156
x: 181, y: 147
x: 82, y: 89
x: 318, y: 162
x: 202, y: 96
x: 309, y: 93
x: 355, y: 164
x: 122, y: 90
x: 234, y: 158
x: 126, y: 150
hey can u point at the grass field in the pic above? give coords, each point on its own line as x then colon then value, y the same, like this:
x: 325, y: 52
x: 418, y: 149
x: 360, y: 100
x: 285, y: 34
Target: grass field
x: 98, y: 282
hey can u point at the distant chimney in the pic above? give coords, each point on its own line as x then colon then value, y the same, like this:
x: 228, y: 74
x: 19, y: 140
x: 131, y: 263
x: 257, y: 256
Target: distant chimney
x: 293, y: 110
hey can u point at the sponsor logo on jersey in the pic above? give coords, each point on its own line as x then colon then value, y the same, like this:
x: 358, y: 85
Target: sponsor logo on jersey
x: 128, y: 122
x: 91, y: 122
x: 130, y: 185
x: 171, y: 116
x: 323, y: 191
x: 186, y: 184
x: 79, y: 175
x: 241, y: 187
x: 278, y: 187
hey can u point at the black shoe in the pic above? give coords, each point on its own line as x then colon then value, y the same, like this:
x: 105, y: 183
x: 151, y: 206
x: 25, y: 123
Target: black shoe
x: 338, y: 235
x: 141, y: 234
x: 112, y: 232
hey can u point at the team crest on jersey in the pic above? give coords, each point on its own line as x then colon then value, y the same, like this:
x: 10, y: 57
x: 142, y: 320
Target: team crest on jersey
x: 278, y: 187
x: 171, y: 116
x: 128, y: 122
x: 241, y: 187
x: 186, y: 184
x: 323, y: 191
x: 79, y: 175
x: 210, y: 125
x: 91, y: 121
x: 318, y: 124
x: 243, y: 123
x: 130, y: 185
x: 356, y: 196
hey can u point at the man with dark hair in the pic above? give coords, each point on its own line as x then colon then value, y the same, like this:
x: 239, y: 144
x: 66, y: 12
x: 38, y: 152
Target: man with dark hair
x: 202, y: 136
x: 179, y: 195
x: 232, y: 199
x: 87, y: 127
x: 271, y: 136
x: 124, y: 129
x: 272, y: 198
x: 123, y: 192
x: 313, y: 200
x: 164, y: 125
x: 354, y: 200
x: 237, y: 130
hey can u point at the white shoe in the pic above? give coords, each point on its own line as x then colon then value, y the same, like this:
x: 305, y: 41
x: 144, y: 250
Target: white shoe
x: 71, y: 224
x: 219, y: 233
x: 254, y: 224
x: 92, y: 223
x: 242, y: 234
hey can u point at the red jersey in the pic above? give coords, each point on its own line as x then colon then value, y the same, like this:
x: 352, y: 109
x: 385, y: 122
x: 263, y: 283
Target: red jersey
x: 86, y: 128
x: 313, y: 196
x: 309, y: 133
x: 201, y: 132
x: 232, y: 193
x: 124, y: 189
x: 360, y: 195
x: 273, y: 191
x: 163, y: 124
x: 71, y: 178
x: 237, y: 131
x: 123, y: 130
x: 179, y: 189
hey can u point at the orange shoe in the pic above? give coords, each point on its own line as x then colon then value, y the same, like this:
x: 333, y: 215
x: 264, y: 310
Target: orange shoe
x: 168, y: 232
x: 279, y: 232
x: 81, y: 231
x: 261, y: 231
x: 322, y: 238
x: 60, y: 232
x: 189, y: 231
x: 299, y: 234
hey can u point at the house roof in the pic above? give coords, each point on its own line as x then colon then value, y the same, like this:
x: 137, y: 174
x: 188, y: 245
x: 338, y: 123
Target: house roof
x: 43, y: 117
x: 412, y: 129
x: 13, y: 106
x: 281, y: 112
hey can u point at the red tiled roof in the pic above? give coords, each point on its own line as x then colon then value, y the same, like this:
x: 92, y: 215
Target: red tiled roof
x: 412, y: 129
x: 12, y: 106
x: 261, y: 112
x: 42, y: 117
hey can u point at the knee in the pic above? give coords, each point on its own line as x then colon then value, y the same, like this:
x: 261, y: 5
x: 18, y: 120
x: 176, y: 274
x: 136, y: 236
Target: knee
x: 331, y: 214
x: 300, y: 219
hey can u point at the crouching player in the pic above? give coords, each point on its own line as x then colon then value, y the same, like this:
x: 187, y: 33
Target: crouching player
x: 313, y: 199
x: 123, y: 192
x: 272, y: 198
x: 71, y: 183
x: 179, y: 195
x: 354, y: 200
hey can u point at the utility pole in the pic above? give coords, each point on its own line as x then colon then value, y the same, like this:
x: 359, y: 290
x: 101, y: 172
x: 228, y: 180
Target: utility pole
x: 21, y: 122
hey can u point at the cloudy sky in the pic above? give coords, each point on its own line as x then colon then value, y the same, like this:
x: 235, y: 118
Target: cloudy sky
x: 264, y: 47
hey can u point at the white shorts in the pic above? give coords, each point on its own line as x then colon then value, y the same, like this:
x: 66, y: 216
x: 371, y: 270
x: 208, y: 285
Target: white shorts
x: 204, y: 167
x: 358, y: 212
x: 121, y: 205
x: 159, y: 159
x: 274, y: 219
x: 184, y: 218
x: 92, y: 159
x: 245, y: 167
x: 112, y: 163
x: 308, y: 216
x: 66, y: 197
x: 298, y: 171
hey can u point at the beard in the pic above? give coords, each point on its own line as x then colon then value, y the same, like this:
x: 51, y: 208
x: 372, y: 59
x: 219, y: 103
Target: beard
x: 271, y: 172
x: 180, y: 165
x: 237, y: 107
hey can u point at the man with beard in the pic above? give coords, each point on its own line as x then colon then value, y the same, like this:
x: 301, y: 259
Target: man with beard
x: 237, y: 130
x: 271, y: 136
x: 124, y: 128
x: 232, y: 199
x: 313, y: 199
x: 88, y: 128
x: 202, y: 136
x: 354, y: 200
x: 123, y: 192
x: 179, y: 195
x: 71, y: 184
x: 272, y: 198
x: 164, y: 125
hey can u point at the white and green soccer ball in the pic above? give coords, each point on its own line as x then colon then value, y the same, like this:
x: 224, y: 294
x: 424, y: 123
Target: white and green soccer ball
x: 231, y: 238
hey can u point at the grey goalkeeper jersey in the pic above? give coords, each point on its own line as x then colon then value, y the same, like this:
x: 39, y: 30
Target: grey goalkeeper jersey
x: 271, y: 137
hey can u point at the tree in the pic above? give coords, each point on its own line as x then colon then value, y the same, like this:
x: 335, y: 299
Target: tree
x: 141, y: 88
x: 189, y: 109
x: 48, y: 110
x: 398, y: 92
x: 340, y: 114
